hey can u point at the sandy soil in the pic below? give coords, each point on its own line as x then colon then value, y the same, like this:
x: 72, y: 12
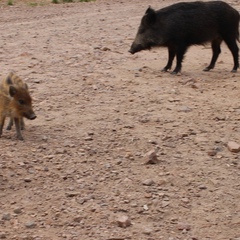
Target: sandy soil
x: 99, y: 111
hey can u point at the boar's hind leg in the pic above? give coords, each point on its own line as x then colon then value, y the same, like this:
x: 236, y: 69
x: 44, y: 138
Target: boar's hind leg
x: 232, y: 45
x: 216, y: 51
x: 2, y: 119
x: 171, y: 55
x: 17, y: 122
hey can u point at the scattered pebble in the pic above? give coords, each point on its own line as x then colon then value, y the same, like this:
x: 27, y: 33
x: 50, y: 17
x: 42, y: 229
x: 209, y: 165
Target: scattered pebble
x: 72, y: 194
x: 30, y: 225
x: 145, y: 207
x: 123, y: 222
x: 3, y: 235
x: 212, y: 153
x: 27, y: 179
x: 183, y: 226
x: 6, y: 217
x: 151, y: 157
x: 148, y: 182
x: 147, y: 230
x: 17, y: 210
x: 233, y: 147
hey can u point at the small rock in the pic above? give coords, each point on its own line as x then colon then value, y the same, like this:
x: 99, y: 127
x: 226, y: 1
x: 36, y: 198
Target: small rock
x: 6, y: 217
x: 60, y: 151
x: 212, y: 153
x: 105, y: 49
x: 3, y: 235
x: 30, y: 225
x: 183, y: 226
x: 17, y: 210
x: 82, y: 200
x: 148, y: 195
x: 27, y: 179
x: 148, y: 182
x: 72, y: 194
x: 88, y: 138
x: 123, y: 222
x: 162, y: 182
x: 147, y: 230
x: 44, y: 138
x: 77, y: 219
x: 145, y: 207
x: 151, y: 157
x: 233, y: 147
x: 202, y: 187
x: 185, y: 109
x: 185, y: 200
x: 36, y: 81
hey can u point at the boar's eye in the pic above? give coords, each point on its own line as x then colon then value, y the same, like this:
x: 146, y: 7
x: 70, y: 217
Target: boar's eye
x: 21, y: 102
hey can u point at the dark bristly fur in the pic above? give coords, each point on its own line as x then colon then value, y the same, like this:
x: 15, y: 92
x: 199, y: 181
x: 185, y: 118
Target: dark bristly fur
x: 189, y: 23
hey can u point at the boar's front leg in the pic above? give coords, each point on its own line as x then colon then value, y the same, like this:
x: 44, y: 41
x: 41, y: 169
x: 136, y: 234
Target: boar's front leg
x: 22, y: 124
x: 17, y: 122
x: 9, y: 126
x: 171, y: 56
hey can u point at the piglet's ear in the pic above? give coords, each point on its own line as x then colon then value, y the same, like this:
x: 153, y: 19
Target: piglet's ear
x: 26, y: 86
x: 150, y: 16
x: 12, y: 91
x: 9, y: 80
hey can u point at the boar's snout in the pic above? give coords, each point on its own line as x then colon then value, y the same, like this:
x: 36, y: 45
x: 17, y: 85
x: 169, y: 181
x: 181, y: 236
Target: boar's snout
x: 135, y: 48
x: 131, y: 51
x: 30, y: 116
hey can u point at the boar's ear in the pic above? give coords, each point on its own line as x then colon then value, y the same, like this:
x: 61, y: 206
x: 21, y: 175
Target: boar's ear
x: 12, y: 91
x: 150, y: 16
x: 26, y: 86
x: 9, y: 80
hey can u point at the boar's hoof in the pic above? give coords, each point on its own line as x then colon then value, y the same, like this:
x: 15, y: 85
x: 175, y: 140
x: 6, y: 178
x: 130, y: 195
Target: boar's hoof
x: 166, y: 68
x: 32, y: 117
x: 20, y: 138
x: 174, y: 72
x: 206, y: 69
x: 234, y: 71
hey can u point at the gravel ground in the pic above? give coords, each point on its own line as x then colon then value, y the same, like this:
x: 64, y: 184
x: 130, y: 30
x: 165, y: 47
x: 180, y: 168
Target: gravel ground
x: 81, y: 172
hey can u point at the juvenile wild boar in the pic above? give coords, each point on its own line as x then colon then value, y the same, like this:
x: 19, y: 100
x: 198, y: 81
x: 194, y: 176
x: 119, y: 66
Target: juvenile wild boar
x: 13, y: 79
x: 189, y: 23
x: 15, y: 102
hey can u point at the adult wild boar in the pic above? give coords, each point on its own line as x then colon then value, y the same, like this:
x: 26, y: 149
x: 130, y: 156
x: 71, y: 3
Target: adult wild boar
x: 189, y: 23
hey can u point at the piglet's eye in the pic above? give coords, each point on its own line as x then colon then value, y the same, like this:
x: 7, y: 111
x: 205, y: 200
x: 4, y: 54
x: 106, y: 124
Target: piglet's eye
x: 21, y: 102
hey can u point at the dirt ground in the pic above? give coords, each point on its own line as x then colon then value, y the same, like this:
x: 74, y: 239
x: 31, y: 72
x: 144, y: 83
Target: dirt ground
x: 100, y: 110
